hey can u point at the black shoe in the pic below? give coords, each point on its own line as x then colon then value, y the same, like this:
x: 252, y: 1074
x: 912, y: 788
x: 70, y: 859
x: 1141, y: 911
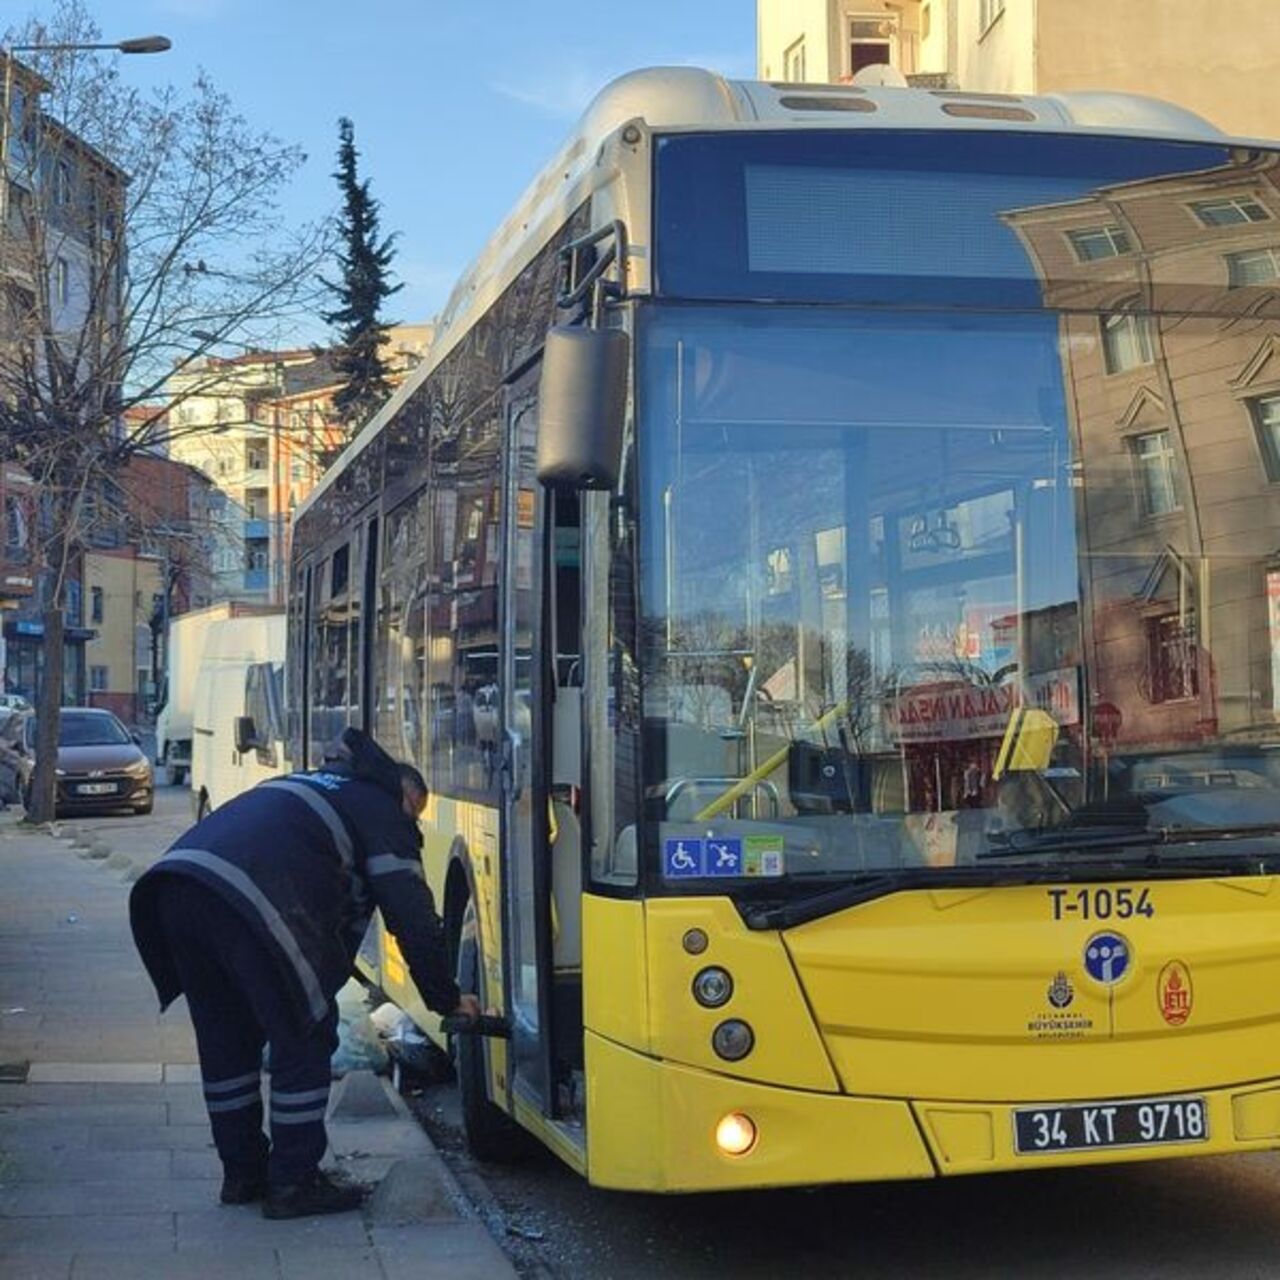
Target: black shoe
x: 240, y: 1188
x: 319, y: 1194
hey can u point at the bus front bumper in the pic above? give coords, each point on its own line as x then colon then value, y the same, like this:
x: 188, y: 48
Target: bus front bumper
x: 652, y: 1126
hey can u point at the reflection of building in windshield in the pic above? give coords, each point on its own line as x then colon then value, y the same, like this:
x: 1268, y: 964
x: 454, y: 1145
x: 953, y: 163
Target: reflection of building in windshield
x: 1171, y: 355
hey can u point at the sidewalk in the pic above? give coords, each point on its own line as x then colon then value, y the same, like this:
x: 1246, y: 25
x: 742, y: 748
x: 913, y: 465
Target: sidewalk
x: 107, y: 1168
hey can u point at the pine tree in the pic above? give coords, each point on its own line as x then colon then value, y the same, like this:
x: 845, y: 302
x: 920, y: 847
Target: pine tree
x: 364, y: 286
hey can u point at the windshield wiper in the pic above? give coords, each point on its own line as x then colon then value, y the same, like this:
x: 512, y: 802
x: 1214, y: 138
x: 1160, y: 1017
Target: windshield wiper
x: 874, y: 884
x: 1015, y: 844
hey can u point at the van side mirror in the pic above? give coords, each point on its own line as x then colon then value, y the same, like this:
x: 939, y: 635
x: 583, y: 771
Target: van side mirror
x: 246, y: 734
x: 582, y: 399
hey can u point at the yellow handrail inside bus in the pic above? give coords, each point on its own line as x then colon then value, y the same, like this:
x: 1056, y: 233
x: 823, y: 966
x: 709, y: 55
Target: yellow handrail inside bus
x: 747, y: 784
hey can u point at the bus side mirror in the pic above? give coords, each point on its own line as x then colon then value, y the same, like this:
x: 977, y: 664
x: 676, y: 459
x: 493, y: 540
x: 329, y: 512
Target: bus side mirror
x: 582, y: 400
x: 246, y: 734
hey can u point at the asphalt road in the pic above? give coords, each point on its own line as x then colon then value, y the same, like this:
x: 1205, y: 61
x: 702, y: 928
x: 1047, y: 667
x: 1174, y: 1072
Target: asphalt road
x: 144, y: 839
x: 1194, y: 1218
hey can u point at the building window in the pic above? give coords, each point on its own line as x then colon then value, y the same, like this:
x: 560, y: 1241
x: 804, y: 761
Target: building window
x: 1171, y: 656
x: 1093, y: 243
x: 1253, y: 266
x: 62, y: 183
x: 98, y: 679
x: 1157, y: 472
x: 61, y: 280
x: 256, y: 556
x: 872, y: 42
x: 988, y: 12
x: 95, y: 604
x: 1231, y: 212
x: 1266, y: 422
x: 793, y: 63
x: 1126, y: 341
x: 257, y: 503
x: 255, y: 456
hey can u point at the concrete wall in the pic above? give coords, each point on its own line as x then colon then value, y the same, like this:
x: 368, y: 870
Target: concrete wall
x: 128, y: 583
x: 1221, y: 60
x: 779, y: 24
x: 1001, y: 58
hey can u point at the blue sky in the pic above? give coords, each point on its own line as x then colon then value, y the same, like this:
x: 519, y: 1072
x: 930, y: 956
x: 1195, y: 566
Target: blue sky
x: 456, y: 105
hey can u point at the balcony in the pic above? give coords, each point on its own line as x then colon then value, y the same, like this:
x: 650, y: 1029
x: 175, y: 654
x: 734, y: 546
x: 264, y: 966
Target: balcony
x: 256, y: 529
x: 256, y: 579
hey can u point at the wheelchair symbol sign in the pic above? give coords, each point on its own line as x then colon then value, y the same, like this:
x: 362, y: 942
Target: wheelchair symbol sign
x: 682, y: 858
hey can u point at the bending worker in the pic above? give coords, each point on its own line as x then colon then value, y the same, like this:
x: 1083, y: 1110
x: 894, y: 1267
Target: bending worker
x: 256, y: 914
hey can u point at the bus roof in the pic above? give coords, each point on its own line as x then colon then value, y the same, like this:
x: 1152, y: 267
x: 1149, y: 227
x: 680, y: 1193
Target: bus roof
x: 690, y: 98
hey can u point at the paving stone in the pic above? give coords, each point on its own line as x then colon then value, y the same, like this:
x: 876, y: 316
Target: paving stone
x: 28, y: 1166
x: 94, y: 1073
x: 227, y: 1262
x: 173, y: 1137
x: 195, y: 1164
x: 360, y: 1094
x: 201, y: 1228
x: 87, y: 1113
x: 379, y: 1137
x: 182, y: 1073
x: 350, y: 1264
x: 37, y: 1264
x: 129, y: 1195
x: 96, y: 1231
x: 440, y: 1251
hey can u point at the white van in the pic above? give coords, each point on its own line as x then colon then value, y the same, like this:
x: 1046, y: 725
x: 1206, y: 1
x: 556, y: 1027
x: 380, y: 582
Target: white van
x: 238, y: 721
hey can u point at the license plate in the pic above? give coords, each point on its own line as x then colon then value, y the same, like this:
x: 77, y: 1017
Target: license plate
x: 1041, y: 1131
x: 96, y: 789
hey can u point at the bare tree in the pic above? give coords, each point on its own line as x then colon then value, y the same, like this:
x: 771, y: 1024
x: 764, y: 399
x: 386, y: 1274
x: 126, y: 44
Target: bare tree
x: 140, y: 231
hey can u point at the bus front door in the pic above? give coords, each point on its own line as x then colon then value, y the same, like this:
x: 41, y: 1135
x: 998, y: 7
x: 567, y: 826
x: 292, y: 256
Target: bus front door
x: 526, y: 887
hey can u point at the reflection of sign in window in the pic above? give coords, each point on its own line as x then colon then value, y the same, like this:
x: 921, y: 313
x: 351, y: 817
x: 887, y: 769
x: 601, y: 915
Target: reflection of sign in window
x: 1171, y: 647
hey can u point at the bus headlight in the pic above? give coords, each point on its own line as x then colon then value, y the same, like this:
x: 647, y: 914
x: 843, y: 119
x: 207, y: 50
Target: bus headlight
x: 733, y: 1040
x: 712, y: 988
x: 736, y: 1134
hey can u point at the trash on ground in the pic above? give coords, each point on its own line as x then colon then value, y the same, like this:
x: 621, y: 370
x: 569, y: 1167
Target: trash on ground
x: 359, y: 1046
x: 525, y: 1233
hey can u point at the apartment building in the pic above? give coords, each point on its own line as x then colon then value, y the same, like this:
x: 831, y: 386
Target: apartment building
x: 1219, y: 60
x: 62, y: 271
x: 261, y: 426
x: 123, y: 594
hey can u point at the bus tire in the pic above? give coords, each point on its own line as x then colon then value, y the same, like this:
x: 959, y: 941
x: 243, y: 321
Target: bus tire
x: 491, y: 1134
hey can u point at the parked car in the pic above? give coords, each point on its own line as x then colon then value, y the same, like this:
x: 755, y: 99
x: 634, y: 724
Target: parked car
x: 100, y: 763
x: 13, y: 702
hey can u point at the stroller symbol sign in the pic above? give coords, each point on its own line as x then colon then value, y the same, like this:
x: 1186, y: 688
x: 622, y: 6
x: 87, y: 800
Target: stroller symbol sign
x: 724, y: 856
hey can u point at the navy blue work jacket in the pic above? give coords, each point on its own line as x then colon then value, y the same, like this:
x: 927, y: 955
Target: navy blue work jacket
x: 305, y: 859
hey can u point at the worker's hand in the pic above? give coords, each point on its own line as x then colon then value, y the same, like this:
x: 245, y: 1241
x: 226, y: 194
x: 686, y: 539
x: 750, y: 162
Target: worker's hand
x: 468, y: 1007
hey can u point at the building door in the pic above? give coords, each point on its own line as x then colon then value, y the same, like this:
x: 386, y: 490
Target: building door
x: 526, y: 883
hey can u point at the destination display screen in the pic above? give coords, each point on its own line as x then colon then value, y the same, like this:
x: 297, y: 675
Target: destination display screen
x: 897, y: 217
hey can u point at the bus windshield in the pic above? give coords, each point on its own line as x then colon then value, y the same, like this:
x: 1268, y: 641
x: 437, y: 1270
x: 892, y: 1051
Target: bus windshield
x: 919, y: 587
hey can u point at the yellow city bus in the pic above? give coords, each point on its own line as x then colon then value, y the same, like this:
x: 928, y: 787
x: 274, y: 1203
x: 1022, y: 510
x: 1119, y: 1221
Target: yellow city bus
x: 828, y: 569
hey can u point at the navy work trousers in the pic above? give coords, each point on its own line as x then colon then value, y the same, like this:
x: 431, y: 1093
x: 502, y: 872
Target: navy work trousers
x: 238, y: 1004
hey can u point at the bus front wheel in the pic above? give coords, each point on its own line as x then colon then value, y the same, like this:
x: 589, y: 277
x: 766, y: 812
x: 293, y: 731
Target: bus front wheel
x: 491, y: 1134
